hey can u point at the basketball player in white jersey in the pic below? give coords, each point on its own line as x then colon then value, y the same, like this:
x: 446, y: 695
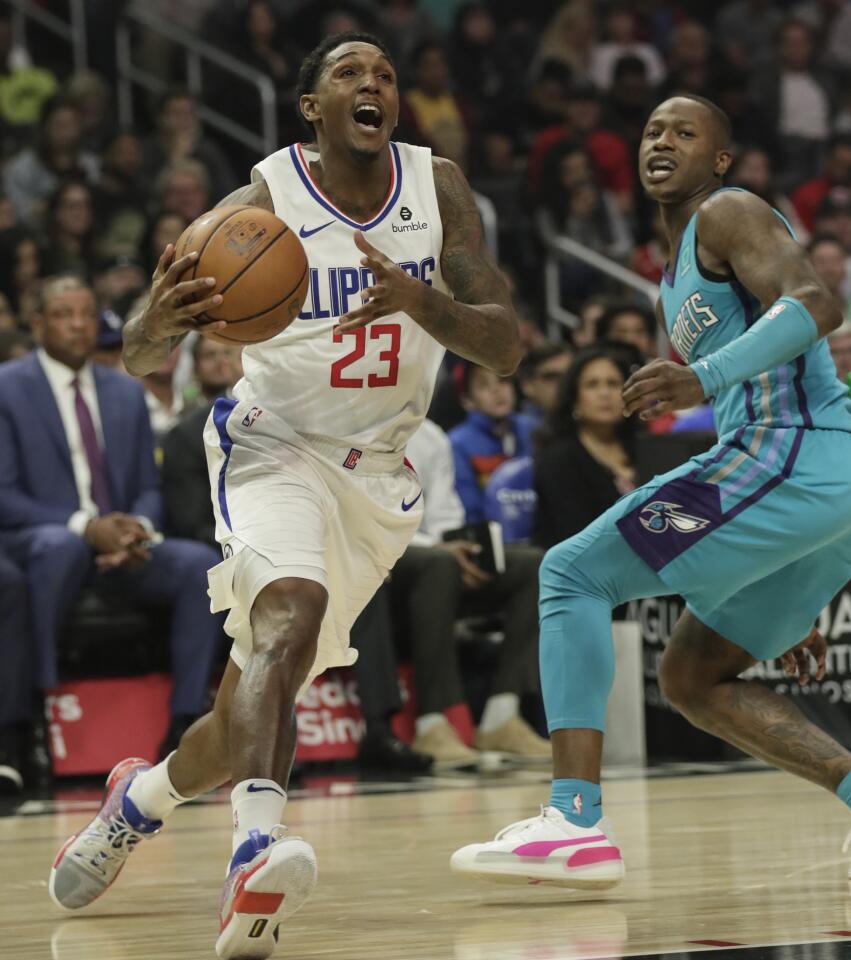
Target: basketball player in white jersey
x: 314, y: 500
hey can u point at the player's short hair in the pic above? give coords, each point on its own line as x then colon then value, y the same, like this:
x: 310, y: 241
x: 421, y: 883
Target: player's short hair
x: 314, y: 63
x: 722, y: 121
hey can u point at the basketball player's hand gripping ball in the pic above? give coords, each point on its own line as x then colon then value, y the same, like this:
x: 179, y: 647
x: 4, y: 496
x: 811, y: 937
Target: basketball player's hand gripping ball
x: 660, y: 387
x: 393, y: 291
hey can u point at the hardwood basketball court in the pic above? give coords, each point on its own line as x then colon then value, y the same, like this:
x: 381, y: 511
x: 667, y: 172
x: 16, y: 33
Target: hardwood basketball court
x: 714, y: 862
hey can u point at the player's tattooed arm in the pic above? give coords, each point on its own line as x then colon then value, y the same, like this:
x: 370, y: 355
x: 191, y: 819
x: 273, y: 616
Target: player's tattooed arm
x: 171, y: 309
x: 744, y: 237
x: 479, y: 323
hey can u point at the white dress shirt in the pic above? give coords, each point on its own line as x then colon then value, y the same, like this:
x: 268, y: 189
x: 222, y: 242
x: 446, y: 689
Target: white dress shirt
x: 430, y: 452
x: 61, y: 380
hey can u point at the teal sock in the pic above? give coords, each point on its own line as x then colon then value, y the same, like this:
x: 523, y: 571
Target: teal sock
x: 843, y: 791
x: 580, y: 801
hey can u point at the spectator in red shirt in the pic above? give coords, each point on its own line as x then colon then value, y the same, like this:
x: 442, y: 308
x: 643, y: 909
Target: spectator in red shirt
x: 609, y: 154
x: 837, y: 173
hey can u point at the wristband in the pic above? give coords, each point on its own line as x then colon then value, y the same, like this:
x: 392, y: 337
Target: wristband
x: 782, y: 333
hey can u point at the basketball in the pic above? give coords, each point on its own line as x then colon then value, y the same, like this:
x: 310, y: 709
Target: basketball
x: 260, y: 269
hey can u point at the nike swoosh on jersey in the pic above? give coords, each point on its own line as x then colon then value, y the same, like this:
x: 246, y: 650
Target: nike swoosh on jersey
x: 407, y: 506
x: 305, y: 233
x: 253, y: 788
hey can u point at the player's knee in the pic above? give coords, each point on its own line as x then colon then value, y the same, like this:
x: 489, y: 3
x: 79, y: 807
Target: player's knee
x: 681, y: 683
x: 285, y: 621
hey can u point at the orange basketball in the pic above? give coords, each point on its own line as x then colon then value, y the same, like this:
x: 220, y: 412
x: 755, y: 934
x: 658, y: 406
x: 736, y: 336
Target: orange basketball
x: 259, y: 266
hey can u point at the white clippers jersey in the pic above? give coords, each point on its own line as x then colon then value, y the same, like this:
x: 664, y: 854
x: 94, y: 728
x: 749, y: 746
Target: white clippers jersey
x: 370, y: 387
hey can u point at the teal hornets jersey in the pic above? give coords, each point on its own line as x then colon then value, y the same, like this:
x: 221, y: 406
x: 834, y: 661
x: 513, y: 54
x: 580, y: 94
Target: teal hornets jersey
x: 704, y: 313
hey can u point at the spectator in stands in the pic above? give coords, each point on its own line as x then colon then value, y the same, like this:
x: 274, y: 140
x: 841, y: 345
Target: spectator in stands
x: 750, y: 128
x: 621, y: 29
x: 14, y: 344
x: 33, y: 174
x: 20, y: 269
x: 545, y: 105
x: 834, y: 216
x: 163, y: 228
x: 610, y: 160
x: 584, y: 459
x: 16, y: 680
x: 589, y: 313
x: 689, y: 60
x: 491, y: 433
x: 432, y: 568
x: 793, y: 96
x: 649, y: 259
x: 179, y: 138
x: 540, y: 376
x: 183, y: 189
x: 570, y: 38
x: 186, y: 482
x: 752, y: 170
x: 404, y: 24
x: 628, y: 103
x: 80, y: 500
x: 485, y: 65
x: 745, y: 32
x: 69, y: 227
x: 839, y: 342
x: 8, y: 320
x: 120, y: 198
x: 90, y: 93
x: 109, y: 342
x: 24, y: 89
x: 118, y: 282
x: 836, y: 173
x: 830, y: 261
x: 628, y: 323
x: 433, y: 109
x: 164, y: 403
x: 830, y: 21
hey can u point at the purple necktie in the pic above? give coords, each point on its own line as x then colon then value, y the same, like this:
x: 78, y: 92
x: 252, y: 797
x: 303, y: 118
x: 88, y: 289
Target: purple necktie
x: 94, y: 454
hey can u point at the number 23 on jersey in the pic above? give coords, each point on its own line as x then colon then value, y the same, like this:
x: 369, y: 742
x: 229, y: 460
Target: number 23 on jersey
x: 390, y: 337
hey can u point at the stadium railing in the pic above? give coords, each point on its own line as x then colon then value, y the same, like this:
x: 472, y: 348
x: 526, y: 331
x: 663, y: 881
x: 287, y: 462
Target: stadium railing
x: 71, y: 29
x: 196, y: 55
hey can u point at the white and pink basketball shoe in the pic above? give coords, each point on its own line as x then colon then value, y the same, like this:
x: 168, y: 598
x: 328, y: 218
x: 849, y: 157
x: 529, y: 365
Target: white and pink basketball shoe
x: 546, y: 849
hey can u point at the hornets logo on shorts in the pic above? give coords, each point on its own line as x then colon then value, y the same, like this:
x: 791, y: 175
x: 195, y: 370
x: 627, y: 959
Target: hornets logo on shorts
x: 659, y: 515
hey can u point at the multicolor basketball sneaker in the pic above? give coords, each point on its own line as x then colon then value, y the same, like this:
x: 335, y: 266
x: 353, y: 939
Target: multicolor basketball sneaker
x: 546, y: 849
x: 90, y: 861
x: 270, y: 878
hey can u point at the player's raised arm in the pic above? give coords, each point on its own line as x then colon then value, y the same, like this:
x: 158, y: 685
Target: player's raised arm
x: 742, y: 234
x: 479, y: 323
x: 172, y: 307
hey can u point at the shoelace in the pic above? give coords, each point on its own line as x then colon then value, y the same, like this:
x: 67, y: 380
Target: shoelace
x: 521, y: 826
x: 122, y: 839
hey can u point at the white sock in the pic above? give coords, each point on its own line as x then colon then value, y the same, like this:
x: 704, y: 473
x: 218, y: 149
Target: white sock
x: 428, y: 721
x: 153, y: 792
x: 499, y: 709
x: 257, y: 805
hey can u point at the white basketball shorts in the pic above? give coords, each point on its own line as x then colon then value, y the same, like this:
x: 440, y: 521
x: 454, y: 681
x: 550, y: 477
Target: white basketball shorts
x: 289, y: 505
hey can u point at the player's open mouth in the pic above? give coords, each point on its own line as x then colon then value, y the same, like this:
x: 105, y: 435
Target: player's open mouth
x: 368, y: 117
x: 660, y: 168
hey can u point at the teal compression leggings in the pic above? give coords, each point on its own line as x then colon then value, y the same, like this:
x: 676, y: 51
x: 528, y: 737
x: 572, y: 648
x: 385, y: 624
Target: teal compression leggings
x: 582, y: 580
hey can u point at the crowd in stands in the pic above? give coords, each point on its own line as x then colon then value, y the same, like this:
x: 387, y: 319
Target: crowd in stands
x: 103, y: 480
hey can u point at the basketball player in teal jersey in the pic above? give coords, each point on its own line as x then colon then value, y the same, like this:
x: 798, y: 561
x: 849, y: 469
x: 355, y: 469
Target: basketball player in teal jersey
x: 755, y: 534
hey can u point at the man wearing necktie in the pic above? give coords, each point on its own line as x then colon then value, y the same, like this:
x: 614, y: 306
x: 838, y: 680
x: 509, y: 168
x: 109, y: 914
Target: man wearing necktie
x: 80, y: 496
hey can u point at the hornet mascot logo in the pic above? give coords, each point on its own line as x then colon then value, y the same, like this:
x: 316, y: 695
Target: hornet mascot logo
x: 658, y: 516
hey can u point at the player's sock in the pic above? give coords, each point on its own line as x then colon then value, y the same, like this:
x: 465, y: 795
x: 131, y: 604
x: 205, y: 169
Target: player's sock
x: 153, y: 794
x: 579, y: 800
x: 258, y: 805
x: 428, y: 721
x: 843, y: 791
x: 499, y: 709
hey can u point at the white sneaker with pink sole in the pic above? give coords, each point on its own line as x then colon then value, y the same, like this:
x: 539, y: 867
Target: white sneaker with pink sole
x: 546, y: 849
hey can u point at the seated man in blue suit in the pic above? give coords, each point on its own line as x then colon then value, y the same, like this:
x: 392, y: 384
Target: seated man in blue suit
x: 80, y: 497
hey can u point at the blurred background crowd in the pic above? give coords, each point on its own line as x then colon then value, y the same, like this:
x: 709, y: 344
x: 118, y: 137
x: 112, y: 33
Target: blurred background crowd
x: 543, y: 106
